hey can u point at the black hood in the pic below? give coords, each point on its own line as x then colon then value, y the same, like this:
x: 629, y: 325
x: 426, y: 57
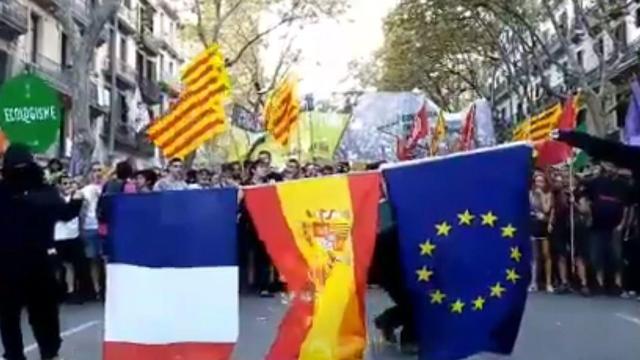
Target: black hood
x: 17, y: 155
x: 19, y: 171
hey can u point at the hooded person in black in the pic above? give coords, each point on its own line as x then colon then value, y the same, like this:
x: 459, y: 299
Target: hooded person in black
x: 621, y: 155
x: 29, y: 210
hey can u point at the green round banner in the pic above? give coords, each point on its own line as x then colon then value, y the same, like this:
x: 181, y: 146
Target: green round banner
x: 30, y: 112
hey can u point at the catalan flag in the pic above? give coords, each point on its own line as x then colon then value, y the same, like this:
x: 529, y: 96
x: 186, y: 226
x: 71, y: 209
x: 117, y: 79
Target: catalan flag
x: 282, y: 111
x: 538, y: 127
x: 465, y: 248
x: 199, y: 113
x: 320, y: 234
x: 439, y: 133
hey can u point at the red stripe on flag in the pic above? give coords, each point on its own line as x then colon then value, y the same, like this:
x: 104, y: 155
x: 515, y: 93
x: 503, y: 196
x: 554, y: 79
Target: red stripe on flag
x: 190, y: 351
x: 365, y: 195
x: 178, y: 117
x: 211, y: 125
x: 290, y: 263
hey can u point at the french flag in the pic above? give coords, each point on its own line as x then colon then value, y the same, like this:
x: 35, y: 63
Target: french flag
x: 172, y: 276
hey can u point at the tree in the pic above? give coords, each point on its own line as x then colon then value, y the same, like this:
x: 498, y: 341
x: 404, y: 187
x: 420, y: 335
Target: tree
x: 82, y: 43
x: 242, y: 28
x: 435, y: 50
x: 544, y: 40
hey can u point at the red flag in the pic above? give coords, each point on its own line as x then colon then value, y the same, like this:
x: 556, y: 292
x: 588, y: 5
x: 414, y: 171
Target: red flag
x: 402, y: 153
x: 420, y: 128
x: 554, y: 152
x: 468, y: 130
x: 419, y: 131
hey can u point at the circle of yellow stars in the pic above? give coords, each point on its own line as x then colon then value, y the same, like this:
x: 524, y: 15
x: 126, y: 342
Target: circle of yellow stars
x: 495, y: 291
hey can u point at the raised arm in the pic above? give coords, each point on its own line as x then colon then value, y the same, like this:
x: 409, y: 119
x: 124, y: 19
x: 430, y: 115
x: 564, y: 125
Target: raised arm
x: 621, y: 155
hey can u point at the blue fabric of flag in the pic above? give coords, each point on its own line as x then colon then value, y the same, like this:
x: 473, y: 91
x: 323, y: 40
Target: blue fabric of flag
x: 176, y: 229
x: 463, y: 223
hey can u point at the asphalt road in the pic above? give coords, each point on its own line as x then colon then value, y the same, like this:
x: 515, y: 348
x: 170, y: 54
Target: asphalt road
x: 555, y: 327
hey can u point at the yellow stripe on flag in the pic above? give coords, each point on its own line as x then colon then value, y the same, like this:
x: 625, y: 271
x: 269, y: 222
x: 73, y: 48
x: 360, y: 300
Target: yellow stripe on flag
x: 311, y: 206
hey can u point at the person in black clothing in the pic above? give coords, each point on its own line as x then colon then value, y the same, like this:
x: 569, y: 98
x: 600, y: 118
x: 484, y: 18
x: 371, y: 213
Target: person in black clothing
x: 29, y: 210
x: 621, y: 155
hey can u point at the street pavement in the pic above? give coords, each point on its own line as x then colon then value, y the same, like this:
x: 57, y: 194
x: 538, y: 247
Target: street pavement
x: 562, y: 327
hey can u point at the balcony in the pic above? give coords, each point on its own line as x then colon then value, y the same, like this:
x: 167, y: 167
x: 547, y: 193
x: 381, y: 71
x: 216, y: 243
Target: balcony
x: 149, y: 42
x: 151, y: 92
x: 168, y: 43
x: 169, y: 10
x: 14, y: 19
x: 128, y: 140
x: 79, y: 8
x: 170, y: 84
x: 94, y: 99
x: 125, y: 74
x: 128, y: 19
x: 53, y: 72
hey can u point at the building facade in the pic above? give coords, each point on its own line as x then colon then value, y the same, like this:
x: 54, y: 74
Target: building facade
x: 147, y: 57
x: 512, y: 107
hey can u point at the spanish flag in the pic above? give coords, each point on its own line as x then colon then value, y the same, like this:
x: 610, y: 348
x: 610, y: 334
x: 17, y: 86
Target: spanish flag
x: 320, y: 234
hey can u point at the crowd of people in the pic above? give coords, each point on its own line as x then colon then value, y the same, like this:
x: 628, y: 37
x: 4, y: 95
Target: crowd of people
x: 585, y: 232
x: 586, y: 222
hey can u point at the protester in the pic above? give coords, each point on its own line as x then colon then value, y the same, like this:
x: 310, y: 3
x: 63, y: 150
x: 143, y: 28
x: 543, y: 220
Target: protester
x: 90, y: 231
x: 174, y: 179
x: 145, y: 180
x: 29, y: 209
x: 70, y: 247
x: 540, y: 199
x: 559, y: 229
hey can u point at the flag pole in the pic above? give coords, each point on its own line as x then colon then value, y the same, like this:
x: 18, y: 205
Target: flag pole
x: 572, y: 232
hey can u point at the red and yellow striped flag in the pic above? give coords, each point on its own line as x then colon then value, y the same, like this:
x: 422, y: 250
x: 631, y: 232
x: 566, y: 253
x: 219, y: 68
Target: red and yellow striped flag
x: 538, y: 127
x: 439, y: 134
x: 282, y: 111
x: 199, y: 113
x: 320, y: 234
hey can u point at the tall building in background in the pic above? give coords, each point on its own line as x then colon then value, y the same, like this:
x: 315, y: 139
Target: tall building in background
x: 148, y: 60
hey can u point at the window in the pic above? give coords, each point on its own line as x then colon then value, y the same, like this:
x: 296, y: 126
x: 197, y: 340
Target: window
x: 563, y: 24
x: 580, y: 58
x: 127, y: 4
x: 123, y: 48
x: 599, y: 48
x: 621, y: 34
x: 171, y: 68
x: 638, y: 17
x: 35, y: 36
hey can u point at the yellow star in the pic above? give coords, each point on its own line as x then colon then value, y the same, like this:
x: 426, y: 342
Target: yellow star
x: 466, y: 218
x: 508, y: 231
x: 512, y: 275
x: 516, y: 255
x: 427, y: 248
x: 424, y: 274
x: 443, y: 229
x: 437, y: 297
x: 489, y: 219
x: 457, y: 307
x: 478, y: 304
x: 497, y: 290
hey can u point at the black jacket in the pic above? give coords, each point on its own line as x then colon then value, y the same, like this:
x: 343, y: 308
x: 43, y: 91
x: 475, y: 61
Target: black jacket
x: 29, y: 209
x: 621, y: 155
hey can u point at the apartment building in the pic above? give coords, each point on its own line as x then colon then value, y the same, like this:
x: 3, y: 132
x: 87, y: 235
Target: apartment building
x: 626, y: 25
x: 147, y: 60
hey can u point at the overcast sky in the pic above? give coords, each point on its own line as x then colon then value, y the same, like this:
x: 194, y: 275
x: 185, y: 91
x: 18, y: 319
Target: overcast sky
x: 329, y: 46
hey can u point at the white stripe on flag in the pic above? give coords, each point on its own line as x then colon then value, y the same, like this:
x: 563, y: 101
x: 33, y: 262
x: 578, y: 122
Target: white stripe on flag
x: 171, y: 305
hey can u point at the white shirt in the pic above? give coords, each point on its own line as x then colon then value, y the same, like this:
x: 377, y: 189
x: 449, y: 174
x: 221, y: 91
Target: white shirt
x: 67, y: 230
x: 91, y: 194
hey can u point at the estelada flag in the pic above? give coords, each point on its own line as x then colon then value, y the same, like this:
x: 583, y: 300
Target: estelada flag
x: 320, y: 234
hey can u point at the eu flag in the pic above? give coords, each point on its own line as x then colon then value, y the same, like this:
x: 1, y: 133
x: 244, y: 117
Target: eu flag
x: 463, y: 222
